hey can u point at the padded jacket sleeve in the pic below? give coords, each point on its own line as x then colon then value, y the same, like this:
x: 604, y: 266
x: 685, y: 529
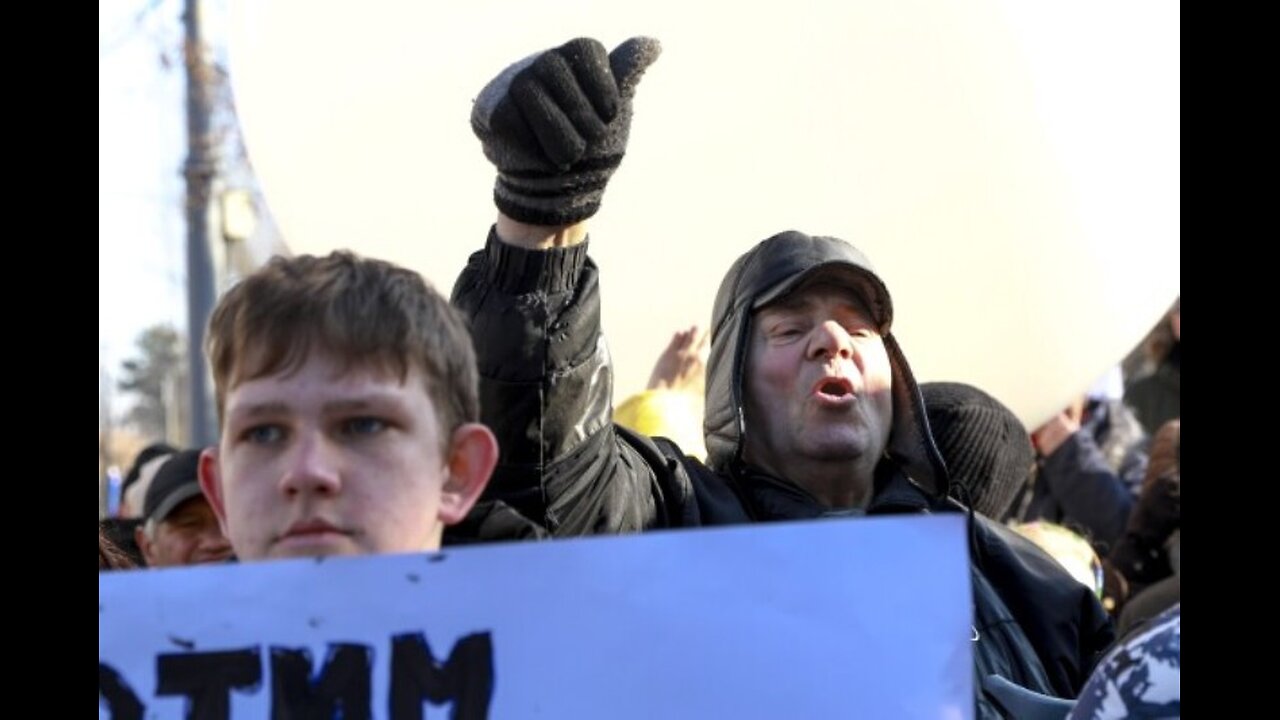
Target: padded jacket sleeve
x: 545, y: 390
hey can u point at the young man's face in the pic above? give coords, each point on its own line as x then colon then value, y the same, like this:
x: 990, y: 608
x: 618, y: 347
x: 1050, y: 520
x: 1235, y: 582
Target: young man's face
x: 818, y: 382
x: 188, y: 535
x: 318, y: 462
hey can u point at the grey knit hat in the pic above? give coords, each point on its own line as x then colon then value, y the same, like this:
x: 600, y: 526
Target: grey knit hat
x: 985, y: 446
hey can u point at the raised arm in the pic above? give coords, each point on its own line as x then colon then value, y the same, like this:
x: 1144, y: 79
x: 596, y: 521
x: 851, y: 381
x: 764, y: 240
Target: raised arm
x: 1091, y: 494
x: 555, y: 125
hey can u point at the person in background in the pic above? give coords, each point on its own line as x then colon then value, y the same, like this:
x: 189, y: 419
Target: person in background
x: 110, y: 556
x: 672, y: 404
x: 1072, y: 551
x: 1155, y: 391
x: 1147, y: 559
x: 986, y: 447
x: 122, y: 529
x: 1141, y: 677
x: 1090, y: 459
x: 179, y: 526
x: 133, y: 490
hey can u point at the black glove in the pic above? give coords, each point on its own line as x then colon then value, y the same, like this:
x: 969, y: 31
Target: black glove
x: 556, y: 124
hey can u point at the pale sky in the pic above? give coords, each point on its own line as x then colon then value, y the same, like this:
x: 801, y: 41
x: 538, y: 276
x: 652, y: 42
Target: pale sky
x: 141, y: 145
x: 1011, y: 168
x: 982, y: 158
x: 141, y: 150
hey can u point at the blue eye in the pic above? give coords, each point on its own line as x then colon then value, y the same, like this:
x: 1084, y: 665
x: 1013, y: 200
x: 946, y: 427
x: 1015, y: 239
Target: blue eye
x: 363, y: 426
x: 263, y: 434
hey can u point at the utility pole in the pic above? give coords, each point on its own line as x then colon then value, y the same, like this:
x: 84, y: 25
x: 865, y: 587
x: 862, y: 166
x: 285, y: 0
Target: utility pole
x: 200, y: 169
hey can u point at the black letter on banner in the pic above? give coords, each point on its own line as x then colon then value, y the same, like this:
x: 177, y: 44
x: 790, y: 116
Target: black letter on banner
x: 341, y: 690
x: 207, y: 678
x: 122, y: 702
x: 466, y: 677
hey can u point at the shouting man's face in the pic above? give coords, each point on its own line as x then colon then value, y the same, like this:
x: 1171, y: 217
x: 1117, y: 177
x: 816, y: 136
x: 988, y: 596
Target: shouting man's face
x: 817, y: 385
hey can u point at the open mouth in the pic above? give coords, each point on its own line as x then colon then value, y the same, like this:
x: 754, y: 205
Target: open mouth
x: 834, y: 388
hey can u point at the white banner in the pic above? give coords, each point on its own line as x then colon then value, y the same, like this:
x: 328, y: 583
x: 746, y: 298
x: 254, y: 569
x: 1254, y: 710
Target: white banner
x: 840, y: 618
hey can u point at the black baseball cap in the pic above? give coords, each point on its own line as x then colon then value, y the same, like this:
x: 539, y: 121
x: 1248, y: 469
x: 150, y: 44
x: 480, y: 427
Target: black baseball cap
x: 175, y: 482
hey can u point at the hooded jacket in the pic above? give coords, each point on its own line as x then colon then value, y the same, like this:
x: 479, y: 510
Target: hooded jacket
x: 769, y: 272
x: 546, y: 385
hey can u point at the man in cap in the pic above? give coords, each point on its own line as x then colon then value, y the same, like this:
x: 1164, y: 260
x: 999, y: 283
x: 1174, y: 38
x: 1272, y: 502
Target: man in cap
x: 811, y: 407
x: 179, y: 526
x: 133, y: 490
x: 124, y: 527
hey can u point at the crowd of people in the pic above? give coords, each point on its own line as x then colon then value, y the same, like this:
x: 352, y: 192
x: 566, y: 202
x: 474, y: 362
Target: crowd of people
x: 360, y: 411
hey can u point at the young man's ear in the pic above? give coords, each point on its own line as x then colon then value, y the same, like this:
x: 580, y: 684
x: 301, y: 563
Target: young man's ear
x: 211, y: 485
x: 473, y: 453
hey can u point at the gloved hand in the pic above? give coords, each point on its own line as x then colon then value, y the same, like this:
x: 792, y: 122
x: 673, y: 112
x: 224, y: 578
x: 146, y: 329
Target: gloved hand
x: 556, y: 126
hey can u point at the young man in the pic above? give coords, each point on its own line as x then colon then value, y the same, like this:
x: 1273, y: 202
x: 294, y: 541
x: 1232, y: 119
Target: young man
x: 811, y: 407
x: 179, y: 527
x: 346, y: 394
